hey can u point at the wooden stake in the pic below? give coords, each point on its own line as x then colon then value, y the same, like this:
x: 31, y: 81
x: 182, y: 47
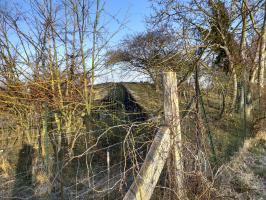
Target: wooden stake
x: 144, y: 184
x: 172, y: 119
x: 165, y: 139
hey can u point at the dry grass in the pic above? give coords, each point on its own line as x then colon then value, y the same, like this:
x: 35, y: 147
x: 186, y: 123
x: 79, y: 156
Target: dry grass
x: 42, y: 178
x: 42, y: 184
x: 244, y: 177
x: 5, y: 167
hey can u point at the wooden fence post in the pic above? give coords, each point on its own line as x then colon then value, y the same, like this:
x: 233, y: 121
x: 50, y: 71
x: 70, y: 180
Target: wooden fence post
x: 167, y: 139
x: 144, y: 184
x: 172, y: 120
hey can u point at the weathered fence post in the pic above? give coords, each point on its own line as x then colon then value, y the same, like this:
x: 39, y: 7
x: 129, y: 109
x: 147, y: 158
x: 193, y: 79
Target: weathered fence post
x: 144, y: 184
x: 172, y: 120
x: 168, y: 137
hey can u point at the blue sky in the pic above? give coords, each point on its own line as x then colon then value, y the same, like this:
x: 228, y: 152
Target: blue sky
x: 131, y: 11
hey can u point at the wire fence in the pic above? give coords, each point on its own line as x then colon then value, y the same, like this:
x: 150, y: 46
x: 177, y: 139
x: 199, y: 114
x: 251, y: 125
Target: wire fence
x: 103, y: 160
x: 84, y: 172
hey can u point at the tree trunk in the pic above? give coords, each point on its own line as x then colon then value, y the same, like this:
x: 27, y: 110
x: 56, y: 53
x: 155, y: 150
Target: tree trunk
x: 45, y: 139
x: 197, y: 112
x: 253, y: 75
x: 241, y: 96
x: 234, y: 89
x: 144, y: 184
x: 262, y: 55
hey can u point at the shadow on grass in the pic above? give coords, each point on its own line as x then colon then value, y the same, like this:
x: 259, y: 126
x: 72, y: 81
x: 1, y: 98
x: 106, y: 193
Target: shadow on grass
x: 23, y: 187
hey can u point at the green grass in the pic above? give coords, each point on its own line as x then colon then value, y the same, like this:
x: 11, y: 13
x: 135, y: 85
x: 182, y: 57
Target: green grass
x: 259, y: 148
x: 229, y: 132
